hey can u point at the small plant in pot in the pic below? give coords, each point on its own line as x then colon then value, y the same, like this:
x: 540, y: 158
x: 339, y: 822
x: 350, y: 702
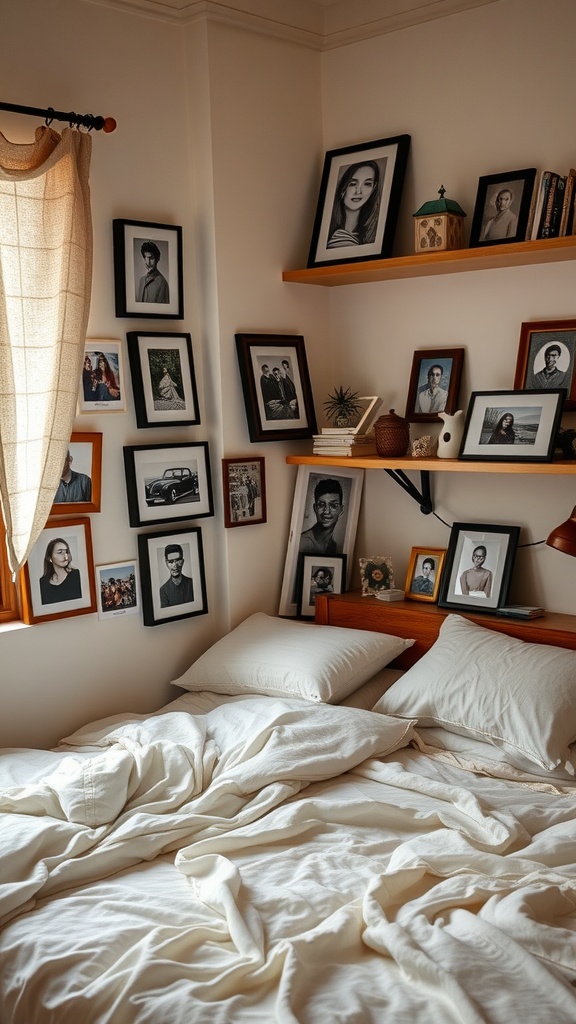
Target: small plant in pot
x: 343, y: 407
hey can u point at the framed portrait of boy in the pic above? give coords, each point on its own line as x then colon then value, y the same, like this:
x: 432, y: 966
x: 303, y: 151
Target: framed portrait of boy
x: 547, y: 358
x: 424, y: 574
x: 148, y: 275
x: 502, y: 208
x: 434, y: 383
x: 318, y: 574
x: 173, y: 576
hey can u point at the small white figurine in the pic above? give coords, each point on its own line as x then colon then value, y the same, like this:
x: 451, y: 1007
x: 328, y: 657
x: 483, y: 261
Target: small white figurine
x: 450, y: 435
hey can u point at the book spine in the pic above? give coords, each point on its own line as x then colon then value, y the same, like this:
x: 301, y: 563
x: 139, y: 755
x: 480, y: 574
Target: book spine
x: 557, y: 207
x: 548, y: 208
x: 542, y: 193
x: 566, y: 216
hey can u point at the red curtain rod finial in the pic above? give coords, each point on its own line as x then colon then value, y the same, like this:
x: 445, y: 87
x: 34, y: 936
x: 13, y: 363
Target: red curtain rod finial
x: 109, y: 125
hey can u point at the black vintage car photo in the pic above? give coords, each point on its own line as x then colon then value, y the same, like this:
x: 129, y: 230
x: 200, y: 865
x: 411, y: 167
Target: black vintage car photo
x: 174, y: 483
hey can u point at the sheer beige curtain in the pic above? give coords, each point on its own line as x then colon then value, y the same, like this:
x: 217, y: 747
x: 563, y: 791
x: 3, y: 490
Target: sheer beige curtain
x: 45, y: 281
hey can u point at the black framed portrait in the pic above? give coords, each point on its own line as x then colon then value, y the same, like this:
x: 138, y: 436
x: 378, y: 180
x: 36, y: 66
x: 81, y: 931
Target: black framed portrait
x: 168, y: 483
x: 148, y: 275
x: 276, y: 386
x: 173, y: 575
x: 479, y: 565
x: 512, y: 426
x: 502, y: 208
x: 163, y: 379
x: 547, y: 358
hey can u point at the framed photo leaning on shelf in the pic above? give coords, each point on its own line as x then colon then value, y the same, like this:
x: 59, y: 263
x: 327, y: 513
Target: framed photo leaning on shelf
x: 512, y: 426
x: 547, y: 358
x: 479, y: 564
x: 359, y: 200
x: 434, y: 383
x: 424, y: 574
x: 502, y: 208
x: 318, y: 574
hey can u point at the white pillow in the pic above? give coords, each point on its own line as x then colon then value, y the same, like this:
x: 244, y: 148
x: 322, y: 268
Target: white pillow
x: 283, y: 657
x: 515, y: 695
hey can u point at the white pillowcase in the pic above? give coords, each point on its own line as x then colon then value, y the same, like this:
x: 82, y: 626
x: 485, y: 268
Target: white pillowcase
x: 283, y: 657
x: 515, y: 695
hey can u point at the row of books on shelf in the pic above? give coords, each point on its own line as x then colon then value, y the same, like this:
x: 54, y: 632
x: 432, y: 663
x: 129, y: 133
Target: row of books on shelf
x: 553, y: 212
x: 344, y: 444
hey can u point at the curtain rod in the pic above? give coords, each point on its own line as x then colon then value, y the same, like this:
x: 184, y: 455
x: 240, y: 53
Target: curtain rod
x: 89, y: 121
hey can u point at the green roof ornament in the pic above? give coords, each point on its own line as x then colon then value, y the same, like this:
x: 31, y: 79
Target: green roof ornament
x: 438, y: 225
x: 441, y: 205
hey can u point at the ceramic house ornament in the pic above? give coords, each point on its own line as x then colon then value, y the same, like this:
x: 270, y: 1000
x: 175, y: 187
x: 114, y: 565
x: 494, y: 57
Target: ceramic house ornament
x: 438, y: 225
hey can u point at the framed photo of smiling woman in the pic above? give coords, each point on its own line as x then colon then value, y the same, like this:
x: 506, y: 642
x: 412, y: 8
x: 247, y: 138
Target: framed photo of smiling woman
x: 359, y: 201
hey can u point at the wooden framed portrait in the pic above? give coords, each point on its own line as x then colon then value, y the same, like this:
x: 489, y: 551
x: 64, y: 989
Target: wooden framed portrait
x: 276, y: 386
x: 479, y: 564
x: 424, y: 574
x: 324, y: 522
x: 512, y: 426
x: 359, y: 200
x: 318, y: 574
x: 163, y: 379
x: 148, y: 275
x: 502, y: 208
x: 117, y: 589
x: 173, y: 576
x: 168, y: 483
x: 80, y: 487
x: 547, y: 358
x: 434, y: 383
x: 376, y: 574
x: 57, y: 581
x: 102, y: 385
x: 244, y: 488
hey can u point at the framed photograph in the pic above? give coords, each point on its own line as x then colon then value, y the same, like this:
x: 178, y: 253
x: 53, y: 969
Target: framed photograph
x: 547, y: 358
x: 434, y: 383
x: 102, y: 386
x: 117, y: 589
x: 376, y: 574
x: 168, y: 483
x: 276, y: 386
x: 163, y: 379
x: 80, y: 484
x: 424, y: 574
x: 58, y: 578
x: 512, y: 426
x: 148, y: 272
x: 502, y: 208
x: 173, y: 577
x: 318, y: 574
x: 323, y: 522
x: 479, y: 565
x: 244, y: 485
x: 359, y: 200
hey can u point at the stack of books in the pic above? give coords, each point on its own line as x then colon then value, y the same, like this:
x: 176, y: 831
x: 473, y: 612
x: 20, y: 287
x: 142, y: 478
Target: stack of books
x: 552, y: 214
x: 336, y: 441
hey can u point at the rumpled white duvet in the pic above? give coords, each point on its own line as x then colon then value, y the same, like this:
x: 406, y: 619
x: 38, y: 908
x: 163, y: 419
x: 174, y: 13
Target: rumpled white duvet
x: 273, y: 860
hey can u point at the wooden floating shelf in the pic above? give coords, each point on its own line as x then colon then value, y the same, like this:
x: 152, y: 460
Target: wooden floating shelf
x: 513, y: 254
x: 435, y: 465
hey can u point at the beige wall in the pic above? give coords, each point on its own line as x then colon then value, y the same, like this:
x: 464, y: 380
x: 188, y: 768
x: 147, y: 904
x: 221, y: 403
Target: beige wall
x: 224, y: 132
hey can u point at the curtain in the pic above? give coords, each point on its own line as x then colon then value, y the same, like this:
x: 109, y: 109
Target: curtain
x: 45, y: 282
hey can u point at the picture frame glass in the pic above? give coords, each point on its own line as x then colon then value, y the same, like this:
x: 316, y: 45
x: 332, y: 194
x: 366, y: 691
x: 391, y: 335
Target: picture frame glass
x: 163, y: 379
x: 478, y: 566
x: 318, y: 574
x: 102, y: 385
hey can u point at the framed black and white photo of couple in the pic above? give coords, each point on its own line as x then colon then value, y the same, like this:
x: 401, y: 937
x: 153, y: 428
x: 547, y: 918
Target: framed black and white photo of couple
x: 479, y: 564
x: 324, y: 522
x: 244, y: 491
x: 172, y: 575
x: 117, y: 587
x: 79, y: 490
x: 57, y: 581
x: 163, y: 379
x: 547, y: 358
x: 276, y: 386
x: 148, y: 275
x: 434, y: 383
x: 168, y: 483
x: 318, y: 574
x: 512, y: 426
x: 359, y: 200
x: 502, y: 208
x: 102, y: 385
x: 424, y: 574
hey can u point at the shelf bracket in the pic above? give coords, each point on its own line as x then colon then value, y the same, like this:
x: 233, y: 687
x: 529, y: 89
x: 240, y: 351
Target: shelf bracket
x: 422, y: 496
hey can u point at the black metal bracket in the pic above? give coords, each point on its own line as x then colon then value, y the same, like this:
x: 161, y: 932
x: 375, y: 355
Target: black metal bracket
x: 422, y: 496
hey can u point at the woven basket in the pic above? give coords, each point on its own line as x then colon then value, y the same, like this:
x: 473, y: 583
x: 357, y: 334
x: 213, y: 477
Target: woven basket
x: 392, y: 435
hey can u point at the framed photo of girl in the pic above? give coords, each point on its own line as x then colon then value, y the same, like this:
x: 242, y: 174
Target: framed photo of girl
x: 512, y: 426
x: 479, y: 565
x: 502, y: 208
x: 80, y: 484
x: 102, y: 385
x: 148, y: 275
x: 434, y: 383
x: 163, y: 379
x: 547, y: 357
x: 359, y: 200
x: 318, y: 574
x: 58, y: 578
x: 173, y: 577
x: 424, y: 574
x: 276, y: 386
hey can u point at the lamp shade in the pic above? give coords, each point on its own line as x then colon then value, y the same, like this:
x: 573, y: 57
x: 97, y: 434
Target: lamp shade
x: 563, y: 538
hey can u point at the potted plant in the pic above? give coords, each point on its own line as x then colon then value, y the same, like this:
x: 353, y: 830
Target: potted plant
x: 342, y: 407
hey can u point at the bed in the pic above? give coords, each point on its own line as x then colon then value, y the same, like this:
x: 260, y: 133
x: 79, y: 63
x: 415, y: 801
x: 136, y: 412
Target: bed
x: 368, y: 818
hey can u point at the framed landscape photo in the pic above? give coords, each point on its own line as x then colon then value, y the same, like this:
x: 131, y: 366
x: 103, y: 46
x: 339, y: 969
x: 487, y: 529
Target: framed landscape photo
x: 148, y: 275
x: 276, y: 386
x: 502, y: 208
x: 173, y: 576
x: 512, y: 426
x: 244, y: 487
x: 479, y: 566
x: 434, y: 383
x: 163, y: 379
x: 323, y: 522
x: 102, y: 385
x: 359, y: 200
x: 80, y: 486
x: 318, y: 574
x: 424, y: 574
x: 168, y: 483
x: 57, y: 581
x: 547, y: 358
x: 117, y: 589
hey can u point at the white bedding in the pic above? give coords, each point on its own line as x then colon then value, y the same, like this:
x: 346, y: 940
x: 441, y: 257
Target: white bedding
x: 262, y: 862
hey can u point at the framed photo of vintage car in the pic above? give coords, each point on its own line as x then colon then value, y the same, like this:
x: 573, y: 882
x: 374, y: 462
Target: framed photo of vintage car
x: 168, y: 483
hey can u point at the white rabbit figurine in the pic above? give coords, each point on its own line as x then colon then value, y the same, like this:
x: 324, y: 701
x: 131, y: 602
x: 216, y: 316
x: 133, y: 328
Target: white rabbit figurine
x: 450, y: 435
